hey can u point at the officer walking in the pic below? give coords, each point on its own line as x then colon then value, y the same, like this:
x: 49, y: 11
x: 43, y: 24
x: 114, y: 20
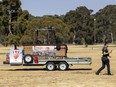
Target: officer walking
x: 105, y: 60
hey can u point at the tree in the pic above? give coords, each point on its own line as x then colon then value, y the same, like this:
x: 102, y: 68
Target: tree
x: 26, y: 39
x: 14, y: 20
x: 22, y: 23
x: 106, y: 22
x: 61, y: 29
x: 81, y: 25
x: 10, y: 14
x: 13, y: 39
x: 1, y: 20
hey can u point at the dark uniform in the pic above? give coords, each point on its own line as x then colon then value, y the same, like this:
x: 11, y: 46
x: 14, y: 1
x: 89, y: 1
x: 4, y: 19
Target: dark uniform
x: 105, y: 61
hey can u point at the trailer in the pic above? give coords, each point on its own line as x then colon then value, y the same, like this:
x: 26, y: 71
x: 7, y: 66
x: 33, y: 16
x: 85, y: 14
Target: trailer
x: 53, y: 56
x: 48, y: 56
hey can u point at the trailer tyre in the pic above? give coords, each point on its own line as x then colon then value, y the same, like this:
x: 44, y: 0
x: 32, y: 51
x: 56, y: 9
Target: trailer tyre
x: 28, y: 59
x: 63, y: 66
x: 50, y: 66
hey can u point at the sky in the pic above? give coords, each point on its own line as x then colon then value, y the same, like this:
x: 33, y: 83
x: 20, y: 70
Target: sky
x: 61, y: 7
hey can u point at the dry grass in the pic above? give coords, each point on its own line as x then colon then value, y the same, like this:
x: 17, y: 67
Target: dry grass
x: 77, y: 76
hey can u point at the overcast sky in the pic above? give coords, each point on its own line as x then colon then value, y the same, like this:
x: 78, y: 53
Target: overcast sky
x: 60, y: 7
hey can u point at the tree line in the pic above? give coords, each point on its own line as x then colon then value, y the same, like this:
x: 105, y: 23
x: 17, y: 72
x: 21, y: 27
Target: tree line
x: 77, y: 26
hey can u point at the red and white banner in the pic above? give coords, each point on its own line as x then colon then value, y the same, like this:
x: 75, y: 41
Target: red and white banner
x: 16, y: 56
x: 44, y: 50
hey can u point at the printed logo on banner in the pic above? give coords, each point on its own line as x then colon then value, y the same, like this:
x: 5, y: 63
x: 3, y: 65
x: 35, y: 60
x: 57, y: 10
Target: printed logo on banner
x: 16, y: 54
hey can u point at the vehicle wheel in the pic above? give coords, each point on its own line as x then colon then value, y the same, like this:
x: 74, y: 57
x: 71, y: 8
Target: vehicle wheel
x: 63, y: 66
x: 50, y: 66
x: 28, y: 59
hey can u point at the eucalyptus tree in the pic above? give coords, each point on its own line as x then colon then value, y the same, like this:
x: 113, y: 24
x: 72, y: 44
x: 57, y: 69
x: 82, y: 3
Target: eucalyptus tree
x: 106, y: 23
x: 81, y: 23
x: 14, y: 21
x: 60, y: 29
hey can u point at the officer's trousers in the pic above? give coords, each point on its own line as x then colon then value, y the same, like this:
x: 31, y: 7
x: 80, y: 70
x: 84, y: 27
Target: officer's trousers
x: 105, y: 61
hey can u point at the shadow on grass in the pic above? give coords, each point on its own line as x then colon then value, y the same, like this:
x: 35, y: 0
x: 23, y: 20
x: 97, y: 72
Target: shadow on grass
x: 44, y: 69
x: 26, y: 69
x: 80, y: 69
x: 108, y: 74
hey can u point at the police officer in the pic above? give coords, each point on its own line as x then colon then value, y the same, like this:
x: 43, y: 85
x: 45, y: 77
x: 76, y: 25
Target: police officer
x: 105, y: 60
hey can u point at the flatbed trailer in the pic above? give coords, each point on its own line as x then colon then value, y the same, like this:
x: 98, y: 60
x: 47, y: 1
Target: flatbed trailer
x: 54, y: 63
x: 60, y: 63
x: 52, y: 59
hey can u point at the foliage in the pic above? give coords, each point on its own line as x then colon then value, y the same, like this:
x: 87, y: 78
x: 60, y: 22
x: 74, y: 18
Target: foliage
x: 13, y: 20
x: 81, y: 24
x: 106, y: 23
x: 60, y: 28
x: 26, y: 40
x: 13, y: 39
x: 78, y: 26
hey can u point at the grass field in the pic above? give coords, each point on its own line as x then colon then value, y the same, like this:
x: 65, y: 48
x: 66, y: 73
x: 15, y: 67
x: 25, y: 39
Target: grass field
x: 76, y: 76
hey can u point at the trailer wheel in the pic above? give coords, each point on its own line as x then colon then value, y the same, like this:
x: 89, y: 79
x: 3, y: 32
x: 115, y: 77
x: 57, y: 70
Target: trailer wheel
x: 63, y: 66
x: 50, y: 66
x: 28, y: 59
